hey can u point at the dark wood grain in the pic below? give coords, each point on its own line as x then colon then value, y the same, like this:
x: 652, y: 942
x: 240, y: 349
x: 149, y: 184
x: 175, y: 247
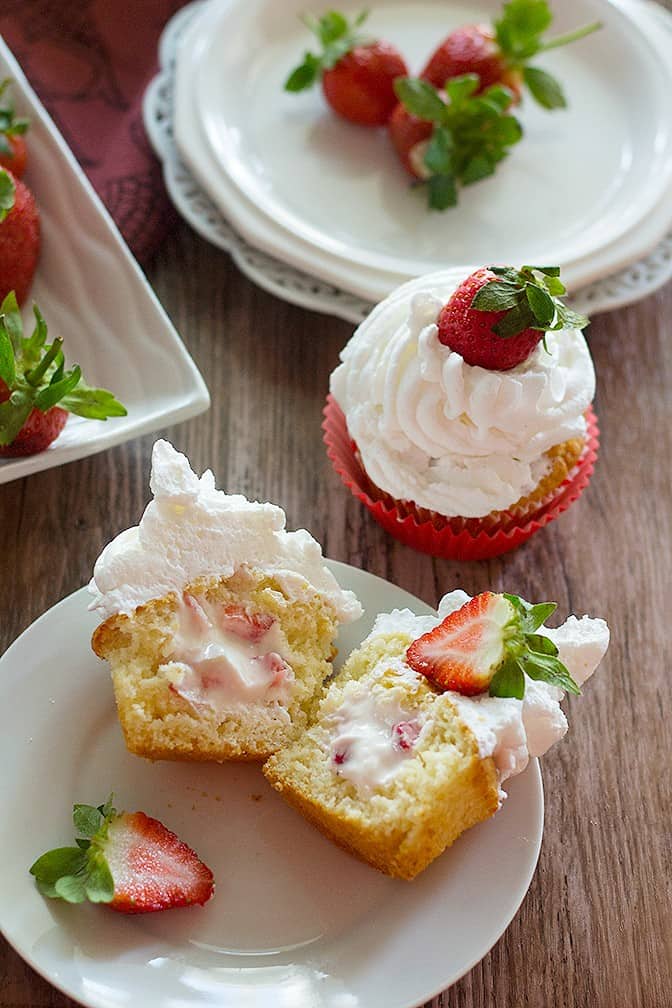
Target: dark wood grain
x: 596, y: 926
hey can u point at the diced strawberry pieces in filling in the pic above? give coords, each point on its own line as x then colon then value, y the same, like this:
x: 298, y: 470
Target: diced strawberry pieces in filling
x: 405, y: 734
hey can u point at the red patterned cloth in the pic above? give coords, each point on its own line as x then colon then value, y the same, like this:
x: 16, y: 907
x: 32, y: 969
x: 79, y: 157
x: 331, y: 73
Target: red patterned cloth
x: 90, y: 61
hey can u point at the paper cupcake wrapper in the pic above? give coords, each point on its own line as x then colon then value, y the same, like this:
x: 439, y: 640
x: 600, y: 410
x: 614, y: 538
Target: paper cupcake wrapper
x: 453, y: 538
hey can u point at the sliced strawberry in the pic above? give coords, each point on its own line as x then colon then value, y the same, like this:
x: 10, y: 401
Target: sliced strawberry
x: 464, y: 652
x: 19, y: 237
x: 151, y: 867
x: 405, y: 734
x: 127, y: 860
x: 250, y: 626
x: 36, y: 392
x: 490, y: 643
x: 357, y: 74
x: 498, y: 315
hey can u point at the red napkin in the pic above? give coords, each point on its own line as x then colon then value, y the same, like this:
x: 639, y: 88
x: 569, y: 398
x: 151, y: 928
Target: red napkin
x: 90, y: 61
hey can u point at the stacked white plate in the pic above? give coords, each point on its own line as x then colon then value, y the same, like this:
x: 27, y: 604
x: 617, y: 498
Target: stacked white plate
x: 587, y: 188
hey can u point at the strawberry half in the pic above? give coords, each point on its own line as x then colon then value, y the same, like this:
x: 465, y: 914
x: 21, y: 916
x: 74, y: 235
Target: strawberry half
x: 500, y: 54
x: 498, y: 315
x: 19, y: 236
x: 357, y: 75
x: 490, y: 644
x: 13, y: 153
x: 127, y: 860
x: 464, y: 137
x: 36, y: 392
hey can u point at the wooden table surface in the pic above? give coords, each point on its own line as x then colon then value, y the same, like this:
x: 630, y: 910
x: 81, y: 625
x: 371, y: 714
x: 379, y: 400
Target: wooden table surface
x: 596, y: 926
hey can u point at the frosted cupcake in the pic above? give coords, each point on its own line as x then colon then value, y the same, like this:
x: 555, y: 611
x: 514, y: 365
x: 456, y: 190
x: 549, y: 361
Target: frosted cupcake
x: 460, y: 414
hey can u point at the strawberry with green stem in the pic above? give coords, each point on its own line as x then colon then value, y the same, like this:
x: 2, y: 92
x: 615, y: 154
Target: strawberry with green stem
x: 129, y: 861
x: 19, y: 236
x: 452, y: 141
x: 501, y: 53
x: 490, y: 644
x: 36, y: 390
x: 13, y: 153
x: 357, y: 73
x: 498, y: 315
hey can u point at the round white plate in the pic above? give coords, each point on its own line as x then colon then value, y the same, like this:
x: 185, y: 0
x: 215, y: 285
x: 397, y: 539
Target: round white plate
x: 572, y: 192
x: 636, y: 280
x: 294, y: 921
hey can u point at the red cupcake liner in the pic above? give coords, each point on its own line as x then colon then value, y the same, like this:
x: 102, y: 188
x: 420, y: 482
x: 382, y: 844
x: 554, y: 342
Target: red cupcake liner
x: 454, y: 539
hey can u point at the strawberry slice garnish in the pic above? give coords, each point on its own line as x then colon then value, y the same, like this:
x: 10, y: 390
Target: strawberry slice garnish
x: 499, y: 314
x: 500, y: 54
x: 468, y: 134
x: 490, y: 644
x: 19, y: 236
x: 36, y: 390
x: 357, y: 74
x: 12, y: 145
x: 127, y: 860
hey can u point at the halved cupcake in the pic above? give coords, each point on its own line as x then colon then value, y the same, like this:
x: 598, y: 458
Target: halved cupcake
x: 415, y: 737
x: 219, y: 624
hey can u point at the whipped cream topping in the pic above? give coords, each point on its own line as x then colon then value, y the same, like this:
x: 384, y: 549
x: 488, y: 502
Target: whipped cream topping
x: 371, y: 735
x: 506, y: 729
x: 227, y: 659
x: 455, y: 438
x: 193, y: 530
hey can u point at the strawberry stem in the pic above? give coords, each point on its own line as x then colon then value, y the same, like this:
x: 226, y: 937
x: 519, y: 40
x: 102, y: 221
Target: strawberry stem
x: 35, y: 376
x: 562, y: 40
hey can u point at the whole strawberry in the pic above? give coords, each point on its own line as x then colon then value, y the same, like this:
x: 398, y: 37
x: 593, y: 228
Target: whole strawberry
x: 452, y: 137
x: 36, y: 392
x: 13, y: 153
x: 357, y: 75
x: 491, y: 644
x: 498, y: 315
x: 19, y: 237
x: 500, y: 54
x: 127, y: 860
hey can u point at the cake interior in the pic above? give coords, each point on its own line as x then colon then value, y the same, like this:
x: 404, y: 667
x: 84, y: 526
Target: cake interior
x: 228, y: 670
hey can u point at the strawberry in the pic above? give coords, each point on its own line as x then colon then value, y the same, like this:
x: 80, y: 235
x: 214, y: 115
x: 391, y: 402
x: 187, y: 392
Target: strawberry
x: 490, y: 644
x: 451, y: 137
x: 357, y: 75
x: 33, y: 380
x: 499, y: 54
x: 498, y: 315
x: 125, y: 859
x: 19, y: 236
x: 13, y: 153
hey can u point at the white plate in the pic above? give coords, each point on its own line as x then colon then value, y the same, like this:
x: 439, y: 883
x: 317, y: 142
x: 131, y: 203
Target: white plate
x: 328, y: 197
x: 93, y: 294
x: 636, y: 280
x: 295, y: 921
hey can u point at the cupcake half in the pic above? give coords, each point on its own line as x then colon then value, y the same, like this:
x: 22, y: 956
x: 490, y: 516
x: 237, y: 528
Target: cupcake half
x: 218, y: 624
x: 463, y: 450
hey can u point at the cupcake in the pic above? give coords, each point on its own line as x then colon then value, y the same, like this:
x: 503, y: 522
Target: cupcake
x: 218, y: 624
x: 461, y: 413
x: 416, y: 737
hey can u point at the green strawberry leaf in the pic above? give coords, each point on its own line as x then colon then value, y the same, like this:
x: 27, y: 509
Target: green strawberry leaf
x: 82, y: 843
x: 545, y: 89
x: 13, y: 414
x: 518, y: 31
x: 508, y: 681
x: 515, y: 321
x: 87, y: 820
x: 331, y: 26
x: 478, y: 168
x: 7, y: 193
x: 92, y: 403
x: 549, y: 669
x: 442, y: 192
x: 62, y: 861
x: 99, y: 882
x: 541, y: 303
x: 499, y: 295
x: 58, y: 390
x: 7, y: 365
x: 541, y: 644
x: 568, y: 319
x: 420, y: 98
x: 11, y: 317
x: 53, y: 352
x: 460, y: 88
x: 71, y: 888
x: 304, y: 75
x: 439, y: 155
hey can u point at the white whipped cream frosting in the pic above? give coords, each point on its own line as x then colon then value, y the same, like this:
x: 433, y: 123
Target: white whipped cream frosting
x: 508, y: 730
x: 190, y: 530
x: 452, y: 437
